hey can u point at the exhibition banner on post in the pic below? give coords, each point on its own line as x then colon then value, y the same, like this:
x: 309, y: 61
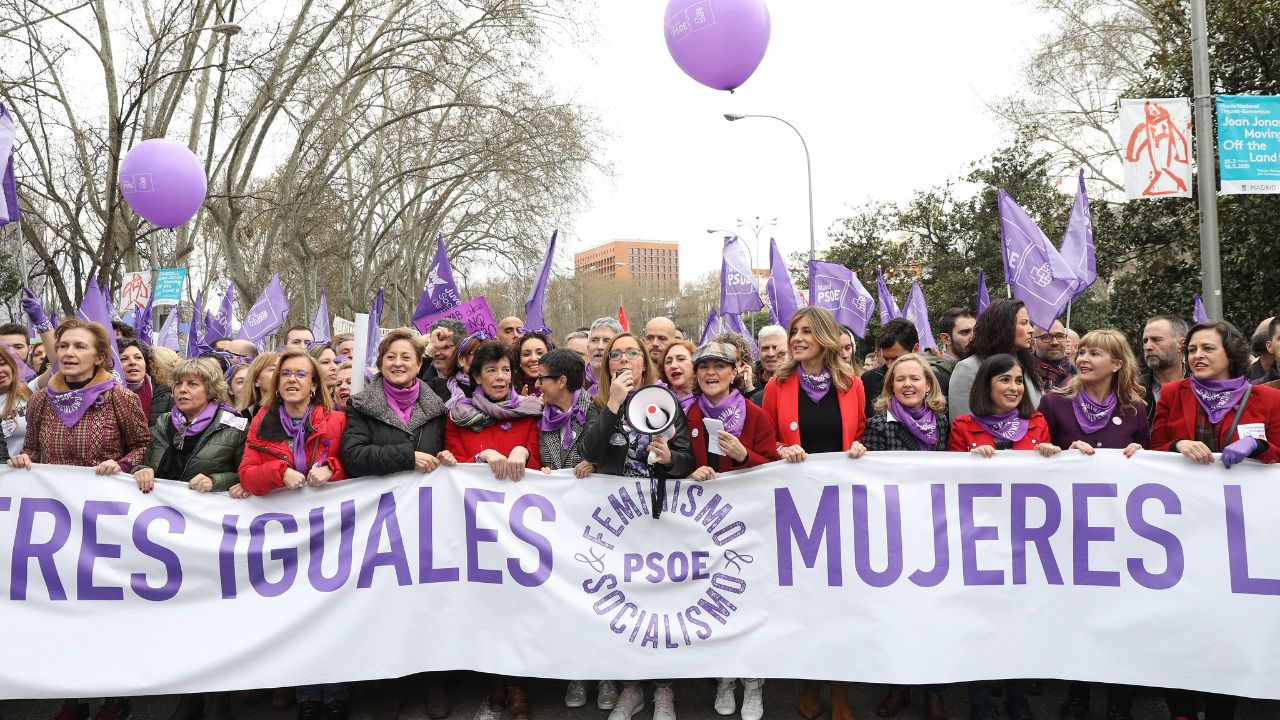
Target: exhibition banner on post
x: 903, y: 568
x: 1249, y: 144
x: 168, y: 287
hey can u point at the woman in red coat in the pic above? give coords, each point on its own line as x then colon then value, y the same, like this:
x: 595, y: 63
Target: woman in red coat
x: 295, y: 439
x: 1003, y: 416
x: 495, y: 425
x: 1216, y: 410
x: 748, y: 438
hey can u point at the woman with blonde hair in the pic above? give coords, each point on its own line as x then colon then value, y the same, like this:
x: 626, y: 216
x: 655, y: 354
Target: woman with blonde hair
x: 911, y: 412
x: 325, y: 356
x: 14, y: 395
x: 259, y: 385
x: 1102, y: 406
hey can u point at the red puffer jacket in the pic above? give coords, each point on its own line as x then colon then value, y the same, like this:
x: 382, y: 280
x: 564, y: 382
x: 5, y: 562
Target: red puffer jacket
x: 267, y: 452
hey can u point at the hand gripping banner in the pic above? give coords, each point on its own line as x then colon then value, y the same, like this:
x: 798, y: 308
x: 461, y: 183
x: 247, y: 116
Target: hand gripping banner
x: 894, y: 568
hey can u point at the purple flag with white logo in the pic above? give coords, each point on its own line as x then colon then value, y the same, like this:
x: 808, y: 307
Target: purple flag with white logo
x: 218, y: 325
x: 375, y: 319
x: 8, y: 184
x: 168, y: 335
x: 440, y: 293
x: 888, y: 307
x: 918, y: 313
x: 835, y: 288
x: 784, y: 299
x: 142, y: 323
x: 538, y: 293
x: 1038, y: 275
x: 267, y: 314
x: 1077, y: 242
x: 95, y: 308
x: 194, y: 345
x: 733, y: 323
x: 712, y: 328
x: 984, y: 297
x: 1197, y: 309
x: 320, y: 326
x: 738, y: 292
x: 25, y: 373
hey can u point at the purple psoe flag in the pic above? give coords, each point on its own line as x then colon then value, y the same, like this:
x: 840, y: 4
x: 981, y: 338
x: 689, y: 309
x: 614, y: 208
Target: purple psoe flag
x: 168, y: 335
x: 1077, y: 242
x: 888, y: 307
x: 142, y: 323
x: 837, y: 289
x: 25, y: 373
x: 1038, y: 275
x: 738, y: 292
x: 94, y: 308
x: 984, y: 297
x: 197, y: 322
x: 918, y: 313
x: 320, y: 326
x: 784, y: 300
x: 538, y: 293
x: 375, y: 319
x: 440, y: 293
x: 1197, y: 310
x: 711, y: 328
x: 218, y: 325
x: 733, y: 323
x: 267, y: 314
x: 8, y: 184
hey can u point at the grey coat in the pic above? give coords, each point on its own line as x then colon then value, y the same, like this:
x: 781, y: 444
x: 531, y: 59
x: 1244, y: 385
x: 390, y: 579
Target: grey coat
x: 377, y: 442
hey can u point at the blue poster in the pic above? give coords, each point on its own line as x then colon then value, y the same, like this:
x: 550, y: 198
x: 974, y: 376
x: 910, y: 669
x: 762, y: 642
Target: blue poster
x: 1249, y: 144
x: 168, y: 288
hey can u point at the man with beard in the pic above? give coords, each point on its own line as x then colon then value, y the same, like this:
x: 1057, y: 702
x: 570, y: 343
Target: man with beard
x: 1056, y: 369
x: 659, y: 333
x: 955, y: 333
x: 1162, y: 342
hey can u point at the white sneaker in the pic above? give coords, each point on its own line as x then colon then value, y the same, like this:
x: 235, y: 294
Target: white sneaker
x: 576, y: 694
x: 630, y: 702
x: 752, y: 699
x: 664, y: 703
x: 607, y: 695
x: 726, y: 704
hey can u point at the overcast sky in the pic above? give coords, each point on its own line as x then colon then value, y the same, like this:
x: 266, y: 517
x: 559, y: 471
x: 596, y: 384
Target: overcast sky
x: 891, y: 97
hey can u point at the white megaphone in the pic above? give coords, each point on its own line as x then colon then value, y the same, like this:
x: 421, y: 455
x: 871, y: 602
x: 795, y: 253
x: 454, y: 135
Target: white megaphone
x: 652, y: 410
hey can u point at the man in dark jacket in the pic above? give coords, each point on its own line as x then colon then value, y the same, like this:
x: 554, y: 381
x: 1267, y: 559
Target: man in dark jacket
x: 1162, y: 341
x: 897, y: 338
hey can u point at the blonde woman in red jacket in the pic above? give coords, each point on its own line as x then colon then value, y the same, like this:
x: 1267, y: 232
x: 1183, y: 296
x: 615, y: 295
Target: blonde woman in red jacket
x: 296, y: 439
x: 816, y: 403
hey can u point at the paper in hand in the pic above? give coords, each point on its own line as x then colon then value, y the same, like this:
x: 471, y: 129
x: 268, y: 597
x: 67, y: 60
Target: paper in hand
x: 713, y: 435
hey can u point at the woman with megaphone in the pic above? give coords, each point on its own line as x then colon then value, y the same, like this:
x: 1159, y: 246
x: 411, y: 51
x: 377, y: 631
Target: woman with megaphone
x: 636, y: 429
x: 816, y: 402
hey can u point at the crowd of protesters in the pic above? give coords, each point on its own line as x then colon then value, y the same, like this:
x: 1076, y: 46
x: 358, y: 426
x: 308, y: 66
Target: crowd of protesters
x: 247, y: 423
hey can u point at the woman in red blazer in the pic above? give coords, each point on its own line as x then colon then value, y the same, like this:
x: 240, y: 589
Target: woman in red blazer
x: 494, y: 425
x: 748, y: 438
x: 1196, y: 415
x: 295, y: 439
x: 816, y: 404
x: 1003, y: 416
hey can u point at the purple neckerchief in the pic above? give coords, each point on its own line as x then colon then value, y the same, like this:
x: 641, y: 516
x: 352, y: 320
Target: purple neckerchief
x: 183, y: 428
x: 1009, y: 426
x: 591, y: 380
x: 401, y: 399
x: 815, y: 386
x: 479, y: 412
x: 297, y: 434
x: 1092, y: 416
x: 920, y: 421
x: 731, y: 410
x: 556, y: 420
x: 71, y: 405
x: 1218, y: 397
x: 686, y: 401
x: 456, y: 393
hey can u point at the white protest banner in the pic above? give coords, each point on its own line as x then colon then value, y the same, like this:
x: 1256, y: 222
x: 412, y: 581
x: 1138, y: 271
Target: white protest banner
x: 135, y: 290
x: 1156, y: 133
x: 899, y: 568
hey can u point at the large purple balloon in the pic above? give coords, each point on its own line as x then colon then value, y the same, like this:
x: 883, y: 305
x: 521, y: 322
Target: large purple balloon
x: 719, y: 43
x: 163, y: 182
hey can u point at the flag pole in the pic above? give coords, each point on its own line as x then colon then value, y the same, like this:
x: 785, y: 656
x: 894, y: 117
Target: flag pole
x: 1069, y: 313
x: 1206, y: 175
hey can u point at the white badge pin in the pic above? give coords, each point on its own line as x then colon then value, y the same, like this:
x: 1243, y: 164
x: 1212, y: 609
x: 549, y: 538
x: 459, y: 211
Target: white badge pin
x: 693, y: 432
x: 1115, y: 421
x: 794, y: 426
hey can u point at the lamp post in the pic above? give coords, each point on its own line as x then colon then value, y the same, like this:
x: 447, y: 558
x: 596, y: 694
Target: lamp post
x: 808, y: 165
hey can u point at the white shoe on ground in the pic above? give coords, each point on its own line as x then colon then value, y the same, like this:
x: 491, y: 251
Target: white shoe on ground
x: 752, y: 699
x: 664, y: 703
x: 726, y: 703
x: 630, y: 702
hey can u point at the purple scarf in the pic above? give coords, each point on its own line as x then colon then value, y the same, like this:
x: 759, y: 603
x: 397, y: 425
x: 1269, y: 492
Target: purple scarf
x: 815, y: 386
x: 479, y: 412
x: 686, y: 402
x: 921, y: 421
x: 1092, y: 416
x: 1009, y: 426
x: 731, y: 410
x: 1218, y: 397
x: 556, y: 420
x: 591, y: 380
x: 455, y: 385
x: 183, y: 428
x: 401, y: 400
x: 71, y: 405
x: 297, y: 434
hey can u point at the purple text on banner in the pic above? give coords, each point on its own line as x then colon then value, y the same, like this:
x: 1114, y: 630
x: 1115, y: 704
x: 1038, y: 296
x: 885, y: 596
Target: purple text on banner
x: 474, y: 314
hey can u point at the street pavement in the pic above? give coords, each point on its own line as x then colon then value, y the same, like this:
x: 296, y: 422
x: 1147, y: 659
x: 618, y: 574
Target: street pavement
x: 404, y: 699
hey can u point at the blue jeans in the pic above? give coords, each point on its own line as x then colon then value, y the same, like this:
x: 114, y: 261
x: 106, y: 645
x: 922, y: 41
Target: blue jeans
x: 322, y: 693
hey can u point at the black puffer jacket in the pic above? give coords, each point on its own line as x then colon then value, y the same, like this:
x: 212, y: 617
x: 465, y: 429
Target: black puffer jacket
x: 161, y: 403
x: 377, y: 442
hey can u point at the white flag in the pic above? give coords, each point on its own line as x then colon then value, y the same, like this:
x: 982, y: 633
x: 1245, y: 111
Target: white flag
x: 1156, y: 133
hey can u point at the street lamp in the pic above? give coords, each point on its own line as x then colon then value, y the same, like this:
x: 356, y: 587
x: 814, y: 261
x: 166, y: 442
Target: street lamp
x: 808, y: 165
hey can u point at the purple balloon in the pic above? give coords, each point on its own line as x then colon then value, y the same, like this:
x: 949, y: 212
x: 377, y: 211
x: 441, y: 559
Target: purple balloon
x: 163, y: 182
x: 719, y: 43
